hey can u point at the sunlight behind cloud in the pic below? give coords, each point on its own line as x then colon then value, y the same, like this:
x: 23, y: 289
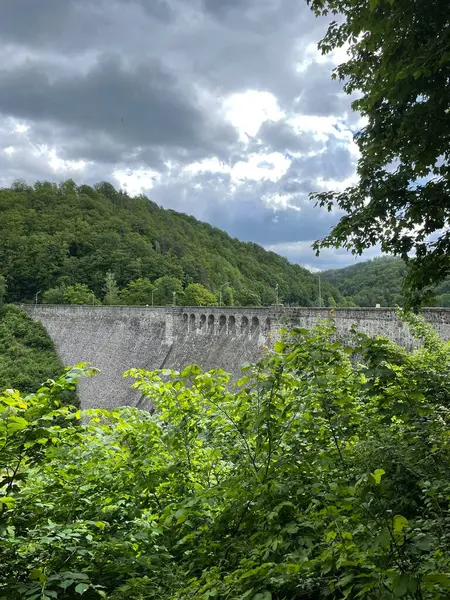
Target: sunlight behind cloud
x: 21, y: 128
x: 279, y: 201
x: 58, y: 164
x: 248, y: 110
x: 261, y: 166
x: 258, y: 167
x: 312, y: 55
x: 135, y: 181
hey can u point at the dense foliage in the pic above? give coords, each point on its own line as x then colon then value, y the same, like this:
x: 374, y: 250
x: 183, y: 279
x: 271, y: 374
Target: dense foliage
x: 399, y: 71
x: 27, y: 354
x: 380, y: 281
x: 79, y: 244
x: 323, y: 474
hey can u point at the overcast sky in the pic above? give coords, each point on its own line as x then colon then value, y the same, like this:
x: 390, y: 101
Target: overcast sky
x: 223, y: 109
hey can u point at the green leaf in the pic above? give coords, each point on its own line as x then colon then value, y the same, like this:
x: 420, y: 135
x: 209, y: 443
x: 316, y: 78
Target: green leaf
x: 376, y: 476
x: 35, y: 574
x: 403, y: 584
x: 8, y: 501
x: 331, y: 535
x: 266, y: 595
x: 440, y: 578
x: 399, y: 523
x: 81, y: 588
x: 279, y: 346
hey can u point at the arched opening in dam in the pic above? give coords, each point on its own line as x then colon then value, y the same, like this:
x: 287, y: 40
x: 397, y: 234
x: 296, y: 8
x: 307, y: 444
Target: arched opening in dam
x: 255, y: 325
x: 202, y: 322
x: 244, y: 325
x: 222, y: 323
x: 232, y: 325
x: 192, y: 323
x: 211, y: 324
x: 267, y: 325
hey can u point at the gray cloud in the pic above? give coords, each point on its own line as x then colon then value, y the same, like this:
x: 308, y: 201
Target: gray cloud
x: 125, y: 85
x: 319, y: 95
x: 330, y: 258
x: 281, y: 137
x: 143, y: 105
x: 32, y: 22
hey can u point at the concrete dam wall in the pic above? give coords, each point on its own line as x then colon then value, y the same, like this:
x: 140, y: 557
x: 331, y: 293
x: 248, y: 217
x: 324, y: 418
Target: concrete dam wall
x: 117, y: 338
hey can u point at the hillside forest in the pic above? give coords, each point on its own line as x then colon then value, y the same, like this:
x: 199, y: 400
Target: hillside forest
x: 380, y: 281
x: 85, y: 245
x: 68, y: 244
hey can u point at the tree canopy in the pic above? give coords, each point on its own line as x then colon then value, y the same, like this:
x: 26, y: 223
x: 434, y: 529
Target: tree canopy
x: 197, y: 295
x: 399, y: 71
x: 379, y: 281
x: 54, y: 237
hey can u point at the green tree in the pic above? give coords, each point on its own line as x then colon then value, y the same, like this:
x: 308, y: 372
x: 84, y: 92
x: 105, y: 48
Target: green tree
x: 399, y: 68
x: 137, y: 292
x: 111, y: 289
x: 2, y: 291
x: 197, y: 295
x: 54, y: 295
x: 331, y: 302
x: 79, y: 294
x: 227, y: 296
x: 165, y: 287
x: 248, y: 298
x: 443, y: 300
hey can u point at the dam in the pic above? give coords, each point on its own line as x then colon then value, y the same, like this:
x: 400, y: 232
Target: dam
x: 117, y: 338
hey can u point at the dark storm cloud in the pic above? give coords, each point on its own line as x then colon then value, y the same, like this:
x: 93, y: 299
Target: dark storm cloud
x: 281, y: 137
x: 32, y: 22
x: 161, y: 10
x: 220, y: 8
x: 144, y: 105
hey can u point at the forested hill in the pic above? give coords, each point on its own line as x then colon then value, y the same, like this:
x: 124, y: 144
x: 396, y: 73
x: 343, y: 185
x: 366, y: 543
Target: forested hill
x: 81, y: 244
x: 378, y: 281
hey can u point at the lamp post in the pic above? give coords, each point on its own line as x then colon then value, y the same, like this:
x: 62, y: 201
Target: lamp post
x: 220, y: 291
x: 174, y: 299
x: 36, y: 297
x: 153, y: 291
x: 276, y: 292
x: 93, y: 298
x: 320, y: 292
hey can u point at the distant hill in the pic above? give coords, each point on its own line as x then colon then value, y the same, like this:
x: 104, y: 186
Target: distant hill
x: 377, y: 281
x: 54, y: 237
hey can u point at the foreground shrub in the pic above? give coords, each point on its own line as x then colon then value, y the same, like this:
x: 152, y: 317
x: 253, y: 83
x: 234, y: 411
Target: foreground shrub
x: 323, y: 473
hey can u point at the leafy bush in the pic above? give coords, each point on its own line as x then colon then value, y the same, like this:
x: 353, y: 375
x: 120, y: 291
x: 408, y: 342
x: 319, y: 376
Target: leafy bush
x: 79, y: 294
x: 321, y: 474
x: 27, y: 354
